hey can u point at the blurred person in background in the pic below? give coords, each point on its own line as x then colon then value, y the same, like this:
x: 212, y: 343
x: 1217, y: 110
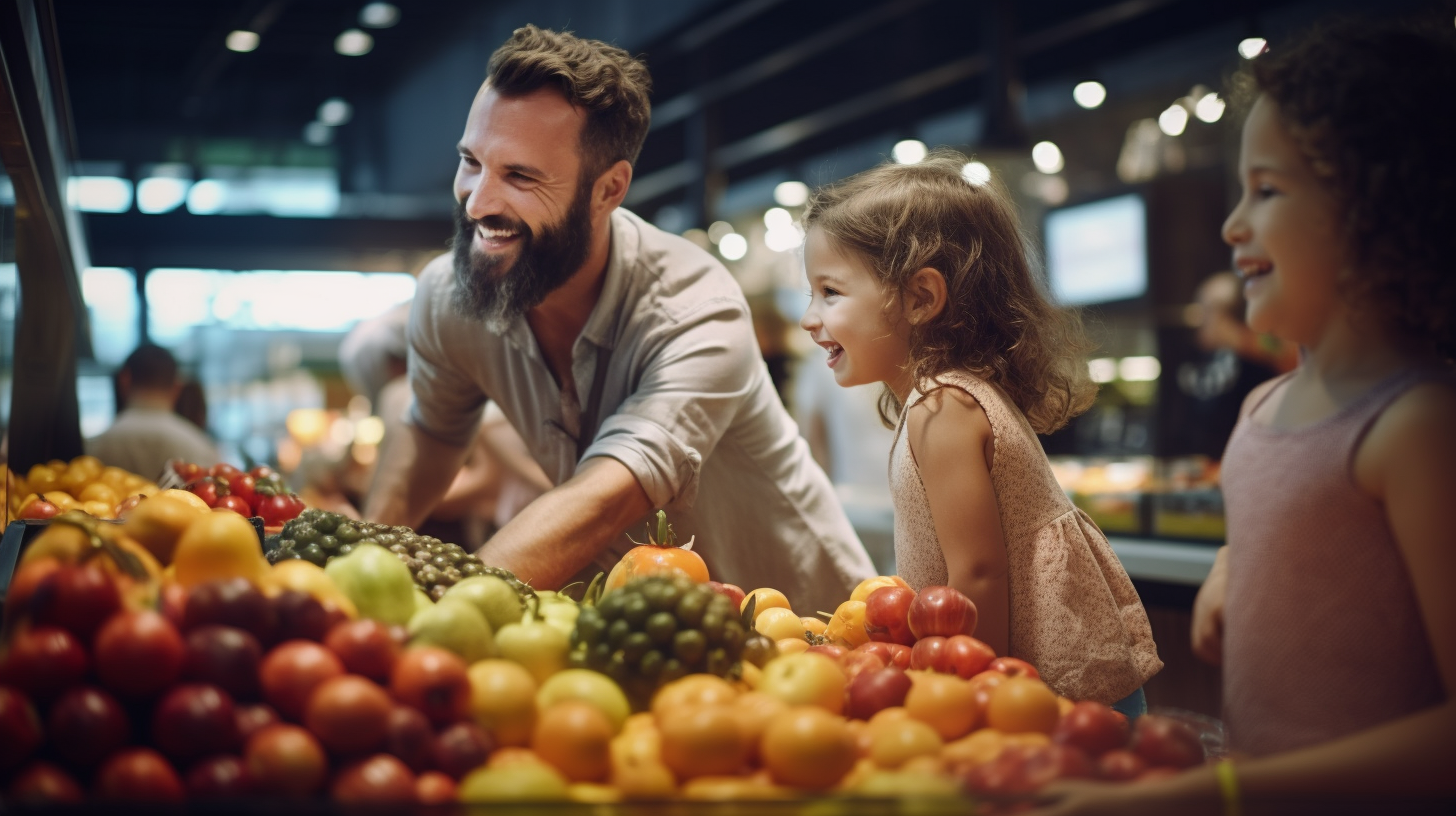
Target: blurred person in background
x: 147, y: 431
x: 499, y: 476
x: 192, y: 404
x: 1235, y: 359
x: 772, y: 332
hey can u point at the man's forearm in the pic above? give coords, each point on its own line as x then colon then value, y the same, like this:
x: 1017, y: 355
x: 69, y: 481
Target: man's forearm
x: 414, y: 471
x: 559, y: 534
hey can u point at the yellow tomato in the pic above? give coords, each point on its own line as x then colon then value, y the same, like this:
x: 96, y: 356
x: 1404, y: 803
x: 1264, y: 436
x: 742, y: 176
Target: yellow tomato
x: 767, y: 599
x: 42, y: 479
x: 62, y: 500
x: 868, y: 585
x: 216, y: 546
x: 779, y: 623
x: 99, y: 509
x: 814, y: 625
x: 99, y: 492
x: 848, y: 624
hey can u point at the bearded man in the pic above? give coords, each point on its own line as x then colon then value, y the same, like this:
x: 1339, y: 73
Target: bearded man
x: 624, y: 356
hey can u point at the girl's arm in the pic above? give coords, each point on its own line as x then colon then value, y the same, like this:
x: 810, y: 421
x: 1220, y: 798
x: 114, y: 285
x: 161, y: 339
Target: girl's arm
x: 1408, y: 461
x: 951, y: 441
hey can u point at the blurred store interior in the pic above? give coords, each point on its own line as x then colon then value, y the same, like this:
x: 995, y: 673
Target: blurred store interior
x: 243, y: 181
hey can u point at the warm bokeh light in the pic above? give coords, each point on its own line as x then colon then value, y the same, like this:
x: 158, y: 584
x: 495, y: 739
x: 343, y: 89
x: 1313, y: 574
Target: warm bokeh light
x: 1089, y: 94
x: 791, y: 193
x: 1047, y: 157
x: 1139, y: 369
x: 718, y: 229
x: 976, y: 173
x: 1253, y: 47
x: 1102, y: 369
x: 1173, y: 120
x: 733, y: 246
x: 354, y: 43
x: 242, y: 41
x: 1209, y: 108
x: 909, y: 151
x: 778, y: 218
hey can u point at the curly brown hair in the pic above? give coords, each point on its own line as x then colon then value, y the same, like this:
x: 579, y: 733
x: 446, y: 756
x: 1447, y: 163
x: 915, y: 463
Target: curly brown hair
x: 997, y: 322
x: 610, y: 84
x: 1368, y: 103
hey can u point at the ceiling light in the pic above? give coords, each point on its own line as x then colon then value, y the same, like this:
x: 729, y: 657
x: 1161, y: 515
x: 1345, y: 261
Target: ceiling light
x: 1173, y: 120
x: 107, y: 194
x: 778, y: 218
x: 1089, y: 94
x: 1253, y: 47
x: 791, y: 193
x: 1139, y: 369
x: 242, y: 41
x: 160, y: 194
x: 378, y: 15
x: 1209, y: 108
x: 335, y: 112
x: 718, y: 229
x: 910, y: 151
x: 1047, y: 157
x: 976, y: 173
x: 206, y: 197
x: 733, y: 246
x: 354, y: 43
x: 783, y: 239
x: 1102, y: 369
x: 318, y: 134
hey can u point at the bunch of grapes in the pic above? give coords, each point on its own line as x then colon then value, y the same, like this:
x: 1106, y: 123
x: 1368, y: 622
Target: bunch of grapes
x: 318, y: 536
x: 654, y: 630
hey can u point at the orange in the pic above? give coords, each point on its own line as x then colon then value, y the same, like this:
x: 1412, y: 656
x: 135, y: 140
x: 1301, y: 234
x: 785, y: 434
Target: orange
x: 575, y: 738
x: 690, y: 692
x: 778, y: 623
x: 503, y: 700
x: 703, y: 741
x: 216, y: 546
x: 767, y: 599
x: 897, y: 741
x: 755, y: 710
x: 1022, y: 705
x: 808, y: 747
x: 99, y: 492
x: 944, y: 702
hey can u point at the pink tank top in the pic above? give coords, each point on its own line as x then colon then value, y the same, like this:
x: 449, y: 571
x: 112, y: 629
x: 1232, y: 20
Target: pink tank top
x: 1322, y: 633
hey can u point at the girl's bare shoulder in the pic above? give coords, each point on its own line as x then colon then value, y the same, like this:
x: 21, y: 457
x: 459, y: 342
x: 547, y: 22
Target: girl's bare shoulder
x: 945, y: 418
x: 1417, y: 431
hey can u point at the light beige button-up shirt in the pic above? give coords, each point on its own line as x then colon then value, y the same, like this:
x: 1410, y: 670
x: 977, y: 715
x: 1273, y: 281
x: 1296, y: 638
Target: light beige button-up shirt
x: 686, y: 405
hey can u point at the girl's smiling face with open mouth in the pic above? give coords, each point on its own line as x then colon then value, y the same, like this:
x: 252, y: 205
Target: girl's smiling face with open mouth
x: 851, y: 316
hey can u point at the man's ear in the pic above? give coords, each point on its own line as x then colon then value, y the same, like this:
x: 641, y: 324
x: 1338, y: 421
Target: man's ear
x: 611, y: 187
x: 925, y: 296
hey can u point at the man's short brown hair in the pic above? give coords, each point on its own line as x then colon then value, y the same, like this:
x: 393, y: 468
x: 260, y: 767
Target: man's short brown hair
x: 610, y: 84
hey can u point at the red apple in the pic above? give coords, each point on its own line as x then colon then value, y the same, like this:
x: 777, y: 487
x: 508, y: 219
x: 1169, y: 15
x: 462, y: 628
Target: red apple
x: 85, y: 725
x: 887, y: 615
x: 301, y: 616
x: 287, y: 761
x: 1163, y: 741
x: 253, y: 718
x: 1120, y: 765
x: 462, y: 748
x: 941, y: 611
x: 220, y: 777
x: 43, y: 662
x: 732, y: 592
x: 20, y: 729
x: 138, y: 653
x: 195, y: 720
x: 231, y: 602
x: 435, y: 788
x: 42, y: 783
x: 408, y: 735
x: 226, y: 657
x: 1093, y: 727
x: 292, y: 671
x: 349, y: 714
x: 366, y: 648
x: 855, y: 663
x: 138, y: 775
x: 874, y: 691
x: 1014, y: 667
x: 832, y: 650
x: 377, y: 780
x: 894, y: 654
x: 77, y: 598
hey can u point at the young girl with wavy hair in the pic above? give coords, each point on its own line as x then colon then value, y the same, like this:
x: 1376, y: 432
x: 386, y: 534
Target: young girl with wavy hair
x: 920, y: 281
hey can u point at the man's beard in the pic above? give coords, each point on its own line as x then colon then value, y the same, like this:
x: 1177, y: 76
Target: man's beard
x: 487, y: 290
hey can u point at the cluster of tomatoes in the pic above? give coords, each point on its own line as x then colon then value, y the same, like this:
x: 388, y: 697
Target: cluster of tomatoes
x: 258, y: 492
x: 223, y: 693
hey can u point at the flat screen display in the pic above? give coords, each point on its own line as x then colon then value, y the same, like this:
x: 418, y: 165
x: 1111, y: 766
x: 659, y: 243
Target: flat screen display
x: 1097, y: 252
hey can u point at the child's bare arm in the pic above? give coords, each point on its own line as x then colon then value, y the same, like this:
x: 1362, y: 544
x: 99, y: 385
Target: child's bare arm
x: 950, y: 439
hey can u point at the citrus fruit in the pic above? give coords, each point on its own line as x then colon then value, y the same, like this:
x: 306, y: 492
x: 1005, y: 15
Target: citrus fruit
x: 944, y: 702
x: 1022, y: 705
x: 575, y: 737
x: 216, y: 546
x: 503, y: 700
x: 808, y: 747
x: 703, y: 740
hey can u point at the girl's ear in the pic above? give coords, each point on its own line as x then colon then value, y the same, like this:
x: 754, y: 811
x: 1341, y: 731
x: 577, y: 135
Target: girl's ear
x: 925, y: 296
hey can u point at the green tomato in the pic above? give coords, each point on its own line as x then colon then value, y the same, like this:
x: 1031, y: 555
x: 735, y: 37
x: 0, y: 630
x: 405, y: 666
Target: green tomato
x: 537, y: 645
x: 560, y: 613
x: 377, y: 582
x: 455, y: 626
x: 495, y: 599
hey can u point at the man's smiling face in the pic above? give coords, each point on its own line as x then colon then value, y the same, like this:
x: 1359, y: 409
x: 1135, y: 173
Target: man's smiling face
x: 523, y: 223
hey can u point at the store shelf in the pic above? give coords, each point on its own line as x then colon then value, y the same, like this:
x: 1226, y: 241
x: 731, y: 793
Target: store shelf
x: 1169, y: 561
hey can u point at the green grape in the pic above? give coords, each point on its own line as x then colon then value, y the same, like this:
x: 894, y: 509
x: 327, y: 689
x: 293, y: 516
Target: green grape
x: 651, y: 664
x: 661, y: 626
x: 617, y: 632
x: 718, y: 662
x: 689, y: 646
x: 691, y: 608
x: 611, y: 605
x: 347, y: 533
x: 635, y: 609
x: 635, y: 645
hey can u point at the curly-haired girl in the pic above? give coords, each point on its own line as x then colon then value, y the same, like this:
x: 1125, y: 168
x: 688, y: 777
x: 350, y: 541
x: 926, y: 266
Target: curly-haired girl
x: 1331, y: 608
x: 920, y: 281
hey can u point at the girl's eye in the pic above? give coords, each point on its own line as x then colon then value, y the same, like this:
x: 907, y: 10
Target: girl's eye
x: 1265, y: 191
x: 830, y: 292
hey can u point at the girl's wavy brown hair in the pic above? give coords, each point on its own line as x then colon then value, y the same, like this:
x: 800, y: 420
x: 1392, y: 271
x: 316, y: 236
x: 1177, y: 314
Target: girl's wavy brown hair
x: 1369, y: 104
x: 997, y: 322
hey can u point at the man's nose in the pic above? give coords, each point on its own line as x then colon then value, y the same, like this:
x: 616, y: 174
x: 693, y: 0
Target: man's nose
x: 483, y: 198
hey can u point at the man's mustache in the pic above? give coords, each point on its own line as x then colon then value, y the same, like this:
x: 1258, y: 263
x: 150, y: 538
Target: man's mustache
x: 495, y: 222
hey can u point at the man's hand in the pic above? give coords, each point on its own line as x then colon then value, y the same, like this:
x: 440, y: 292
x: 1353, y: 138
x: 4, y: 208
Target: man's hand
x: 1208, y: 612
x: 559, y: 534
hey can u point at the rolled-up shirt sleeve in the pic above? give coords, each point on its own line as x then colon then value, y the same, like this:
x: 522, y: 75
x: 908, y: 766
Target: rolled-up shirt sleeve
x: 687, y: 397
x: 447, y: 403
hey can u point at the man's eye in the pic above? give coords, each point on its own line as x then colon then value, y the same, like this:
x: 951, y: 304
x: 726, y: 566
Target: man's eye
x: 468, y: 160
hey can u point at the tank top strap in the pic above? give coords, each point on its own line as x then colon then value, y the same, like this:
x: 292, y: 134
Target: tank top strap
x: 1362, y: 414
x: 1269, y: 388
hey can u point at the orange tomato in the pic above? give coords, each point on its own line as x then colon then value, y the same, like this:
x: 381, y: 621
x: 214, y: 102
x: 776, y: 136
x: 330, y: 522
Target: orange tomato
x: 1022, y: 705
x: 808, y: 747
x: 690, y: 692
x: 640, y: 562
x: 848, y: 624
x: 703, y: 741
x: 897, y: 741
x: 944, y: 702
x: 575, y: 738
x: 755, y: 711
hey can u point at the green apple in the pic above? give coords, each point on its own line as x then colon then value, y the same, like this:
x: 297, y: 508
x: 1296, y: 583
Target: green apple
x: 377, y: 582
x: 535, y: 644
x: 588, y: 686
x: 495, y: 599
x: 455, y: 626
x: 558, y: 610
x: 524, y: 781
x: 422, y: 599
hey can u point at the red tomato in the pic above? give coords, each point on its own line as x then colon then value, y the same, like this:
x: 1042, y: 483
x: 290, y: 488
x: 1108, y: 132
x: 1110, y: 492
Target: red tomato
x: 235, y: 504
x: 244, y: 487
x: 38, y: 509
x: 85, y: 725
x: 286, y: 761
x: 20, y: 729
x: 205, y: 489
x: 1093, y: 727
x: 961, y: 655
x: 349, y: 714
x: 365, y: 646
x: 262, y: 472
x: 222, y: 470
x: 1014, y: 667
x: 434, y: 788
x: 380, y: 778
x: 43, y: 662
x: 292, y: 671
x: 42, y: 783
x: 25, y: 581
x: 139, y: 653
x: 220, y: 777
x: 275, y: 510
x: 138, y: 775
x: 434, y: 681
x: 187, y: 470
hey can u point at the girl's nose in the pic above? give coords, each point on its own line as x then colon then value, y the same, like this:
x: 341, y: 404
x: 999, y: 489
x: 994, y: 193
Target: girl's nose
x: 1235, y: 229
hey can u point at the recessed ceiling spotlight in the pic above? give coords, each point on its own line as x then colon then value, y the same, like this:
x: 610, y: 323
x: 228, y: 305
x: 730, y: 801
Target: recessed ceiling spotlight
x: 379, y: 15
x: 1089, y: 94
x: 335, y: 112
x: 354, y: 43
x: 242, y: 41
